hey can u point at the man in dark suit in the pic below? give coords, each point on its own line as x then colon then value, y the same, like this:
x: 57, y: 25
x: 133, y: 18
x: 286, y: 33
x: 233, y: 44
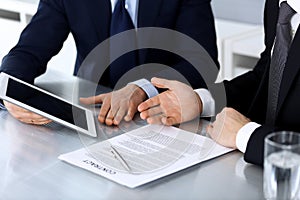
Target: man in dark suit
x: 90, y: 22
x: 247, y: 119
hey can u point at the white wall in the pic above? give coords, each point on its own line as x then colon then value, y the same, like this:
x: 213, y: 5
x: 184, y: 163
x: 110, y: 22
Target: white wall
x: 249, y: 11
x: 14, y: 15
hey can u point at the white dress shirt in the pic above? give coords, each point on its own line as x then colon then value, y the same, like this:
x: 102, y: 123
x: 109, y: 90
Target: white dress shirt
x: 245, y: 132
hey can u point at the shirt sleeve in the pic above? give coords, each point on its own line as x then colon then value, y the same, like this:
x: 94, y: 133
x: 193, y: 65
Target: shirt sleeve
x: 208, y: 102
x: 147, y: 86
x: 244, y: 134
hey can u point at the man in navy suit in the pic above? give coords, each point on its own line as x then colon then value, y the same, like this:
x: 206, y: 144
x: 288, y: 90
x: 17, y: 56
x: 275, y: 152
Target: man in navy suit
x: 89, y: 23
x: 245, y: 121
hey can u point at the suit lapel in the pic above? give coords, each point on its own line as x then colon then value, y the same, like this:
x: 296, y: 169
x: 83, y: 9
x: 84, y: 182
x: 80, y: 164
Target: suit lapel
x: 291, y: 69
x: 148, y: 12
x: 271, y: 17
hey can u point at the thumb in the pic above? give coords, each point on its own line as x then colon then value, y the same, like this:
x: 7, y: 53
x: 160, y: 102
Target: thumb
x: 162, y: 83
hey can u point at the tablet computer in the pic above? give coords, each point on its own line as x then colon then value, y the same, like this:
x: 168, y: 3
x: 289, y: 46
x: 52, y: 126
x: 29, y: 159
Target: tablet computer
x: 46, y: 104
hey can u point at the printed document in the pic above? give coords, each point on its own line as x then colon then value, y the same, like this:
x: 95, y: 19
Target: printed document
x: 145, y: 154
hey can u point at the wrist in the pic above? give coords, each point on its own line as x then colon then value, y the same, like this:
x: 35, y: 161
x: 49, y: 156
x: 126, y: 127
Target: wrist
x: 146, y: 86
x: 138, y: 91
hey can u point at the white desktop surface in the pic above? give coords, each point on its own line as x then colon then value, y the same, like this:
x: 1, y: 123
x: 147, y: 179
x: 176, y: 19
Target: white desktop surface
x: 29, y: 168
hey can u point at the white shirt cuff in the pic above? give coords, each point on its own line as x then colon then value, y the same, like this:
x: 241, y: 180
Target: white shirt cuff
x: 208, y: 103
x: 147, y: 86
x: 244, y: 134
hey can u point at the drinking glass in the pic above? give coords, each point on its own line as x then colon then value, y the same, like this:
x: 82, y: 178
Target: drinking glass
x: 282, y: 166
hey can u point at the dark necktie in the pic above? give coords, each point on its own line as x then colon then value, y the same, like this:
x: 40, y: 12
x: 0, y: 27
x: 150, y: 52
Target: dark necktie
x: 280, y: 52
x: 121, y: 21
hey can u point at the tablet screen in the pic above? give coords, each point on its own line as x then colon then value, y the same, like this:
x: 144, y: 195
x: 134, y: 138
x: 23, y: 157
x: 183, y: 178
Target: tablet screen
x: 46, y: 103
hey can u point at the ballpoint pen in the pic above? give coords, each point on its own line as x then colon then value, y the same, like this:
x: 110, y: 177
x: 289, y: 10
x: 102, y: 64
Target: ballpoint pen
x: 119, y: 158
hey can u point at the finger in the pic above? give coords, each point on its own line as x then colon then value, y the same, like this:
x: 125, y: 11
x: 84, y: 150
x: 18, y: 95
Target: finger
x: 42, y: 119
x: 14, y: 108
x: 105, y: 108
x: 42, y: 122
x: 119, y: 115
x: 130, y: 113
x: 115, y: 106
x: 39, y: 122
x: 24, y: 115
x: 162, y: 83
x: 47, y: 122
x: 155, y: 119
x: 154, y: 101
x: 109, y: 118
x: 26, y: 121
x: 92, y: 100
x: 18, y: 112
x: 36, y: 119
x: 34, y: 116
x: 151, y: 112
x: 209, y: 130
x: 169, y: 121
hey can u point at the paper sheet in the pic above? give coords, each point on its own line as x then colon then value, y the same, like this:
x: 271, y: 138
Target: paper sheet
x: 152, y: 152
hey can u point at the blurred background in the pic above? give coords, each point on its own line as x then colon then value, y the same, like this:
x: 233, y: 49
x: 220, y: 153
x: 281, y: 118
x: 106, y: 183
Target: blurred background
x: 246, y: 11
x: 238, y: 25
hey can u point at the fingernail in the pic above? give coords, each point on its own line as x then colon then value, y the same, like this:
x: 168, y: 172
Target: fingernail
x: 142, y: 116
x: 139, y: 107
x: 127, y: 118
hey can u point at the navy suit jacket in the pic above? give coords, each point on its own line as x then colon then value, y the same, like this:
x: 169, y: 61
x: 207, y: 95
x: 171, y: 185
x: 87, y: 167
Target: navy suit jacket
x: 89, y: 23
x: 248, y: 93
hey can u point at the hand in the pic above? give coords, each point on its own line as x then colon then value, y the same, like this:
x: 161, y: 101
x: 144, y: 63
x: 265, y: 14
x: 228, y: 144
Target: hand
x: 224, y: 130
x: 117, y: 105
x: 24, y: 115
x: 178, y: 104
